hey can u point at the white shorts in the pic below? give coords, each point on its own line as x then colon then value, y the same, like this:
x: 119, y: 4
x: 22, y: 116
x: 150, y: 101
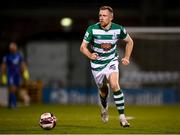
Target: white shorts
x: 102, y: 76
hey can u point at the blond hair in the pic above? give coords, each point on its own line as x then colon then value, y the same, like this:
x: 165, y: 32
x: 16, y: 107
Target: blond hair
x: 106, y: 8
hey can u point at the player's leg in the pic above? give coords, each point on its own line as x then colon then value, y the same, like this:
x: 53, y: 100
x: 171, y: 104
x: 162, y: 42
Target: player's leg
x: 118, y: 97
x: 13, y: 83
x: 12, y: 96
x: 103, y: 94
x: 101, y: 83
x: 12, y: 91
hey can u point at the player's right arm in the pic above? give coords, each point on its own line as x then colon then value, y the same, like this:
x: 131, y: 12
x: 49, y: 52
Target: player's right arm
x: 25, y: 71
x: 3, y: 71
x: 88, y: 37
x: 86, y: 52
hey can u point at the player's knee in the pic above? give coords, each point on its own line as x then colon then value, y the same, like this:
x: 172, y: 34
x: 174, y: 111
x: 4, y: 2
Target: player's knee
x: 104, y: 90
x: 103, y: 94
x: 104, y: 87
x: 115, y: 86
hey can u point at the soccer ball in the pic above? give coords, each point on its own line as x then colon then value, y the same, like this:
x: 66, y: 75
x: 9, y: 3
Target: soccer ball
x: 47, y: 121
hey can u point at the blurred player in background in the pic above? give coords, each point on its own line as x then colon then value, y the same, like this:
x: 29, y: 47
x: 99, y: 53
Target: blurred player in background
x: 14, y: 70
x: 104, y: 59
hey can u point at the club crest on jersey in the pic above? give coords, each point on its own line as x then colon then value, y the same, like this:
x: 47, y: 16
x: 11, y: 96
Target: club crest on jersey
x: 106, y: 46
x: 114, y: 36
x: 99, y: 37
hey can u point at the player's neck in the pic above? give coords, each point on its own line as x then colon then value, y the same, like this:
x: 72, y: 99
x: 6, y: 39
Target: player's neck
x: 107, y: 27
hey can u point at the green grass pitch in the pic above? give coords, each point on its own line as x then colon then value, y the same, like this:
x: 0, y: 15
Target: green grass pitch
x: 85, y: 119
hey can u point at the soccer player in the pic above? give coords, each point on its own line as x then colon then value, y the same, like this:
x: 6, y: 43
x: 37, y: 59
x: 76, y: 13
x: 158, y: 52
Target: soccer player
x: 14, y: 69
x: 104, y: 59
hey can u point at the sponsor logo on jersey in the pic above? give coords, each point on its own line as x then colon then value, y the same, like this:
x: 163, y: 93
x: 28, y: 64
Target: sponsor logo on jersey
x: 106, y: 46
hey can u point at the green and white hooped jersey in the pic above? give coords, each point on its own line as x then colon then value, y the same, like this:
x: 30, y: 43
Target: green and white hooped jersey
x: 104, y: 43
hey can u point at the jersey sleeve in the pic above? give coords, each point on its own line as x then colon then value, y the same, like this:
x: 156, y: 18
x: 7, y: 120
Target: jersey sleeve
x: 4, y: 59
x: 123, y: 33
x: 21, y: 57
x: 88, y: 35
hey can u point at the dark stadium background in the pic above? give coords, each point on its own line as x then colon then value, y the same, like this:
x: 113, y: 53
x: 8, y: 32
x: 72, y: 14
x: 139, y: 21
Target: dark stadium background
x: 30, y: 21
x: 61, y: 80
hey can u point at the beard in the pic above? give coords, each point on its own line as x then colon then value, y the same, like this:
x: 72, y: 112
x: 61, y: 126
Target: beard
x: 103, y: 24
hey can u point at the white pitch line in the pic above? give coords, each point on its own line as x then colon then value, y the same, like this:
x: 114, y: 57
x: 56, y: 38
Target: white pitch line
x: 130, y: 117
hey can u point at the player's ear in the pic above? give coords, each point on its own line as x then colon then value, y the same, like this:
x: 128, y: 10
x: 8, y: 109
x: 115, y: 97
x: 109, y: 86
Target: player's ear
x: 112, y: 17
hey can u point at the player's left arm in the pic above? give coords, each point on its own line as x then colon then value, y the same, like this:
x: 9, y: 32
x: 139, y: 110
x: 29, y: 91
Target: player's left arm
x: 25, y: 71
x: 128, y: 50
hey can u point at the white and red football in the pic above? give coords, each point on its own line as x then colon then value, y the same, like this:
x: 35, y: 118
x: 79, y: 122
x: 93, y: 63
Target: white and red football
x: 47, y: 121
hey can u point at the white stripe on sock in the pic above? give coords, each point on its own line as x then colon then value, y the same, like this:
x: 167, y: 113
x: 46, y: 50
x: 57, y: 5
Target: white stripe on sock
x: 119, y: 102
x: 120, y: 107
x: 118, y: 96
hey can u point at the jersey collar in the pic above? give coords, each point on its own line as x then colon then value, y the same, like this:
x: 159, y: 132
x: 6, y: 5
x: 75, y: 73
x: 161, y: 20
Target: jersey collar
x: 108, y: 27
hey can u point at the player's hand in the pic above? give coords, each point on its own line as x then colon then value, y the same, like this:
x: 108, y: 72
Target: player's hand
x: 4, y: 79
x: 94, y: 56
x: 125, y: 61
x: 26, y: 74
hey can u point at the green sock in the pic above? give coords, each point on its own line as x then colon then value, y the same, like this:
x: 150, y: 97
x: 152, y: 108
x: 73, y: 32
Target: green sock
x: 119, y: 101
